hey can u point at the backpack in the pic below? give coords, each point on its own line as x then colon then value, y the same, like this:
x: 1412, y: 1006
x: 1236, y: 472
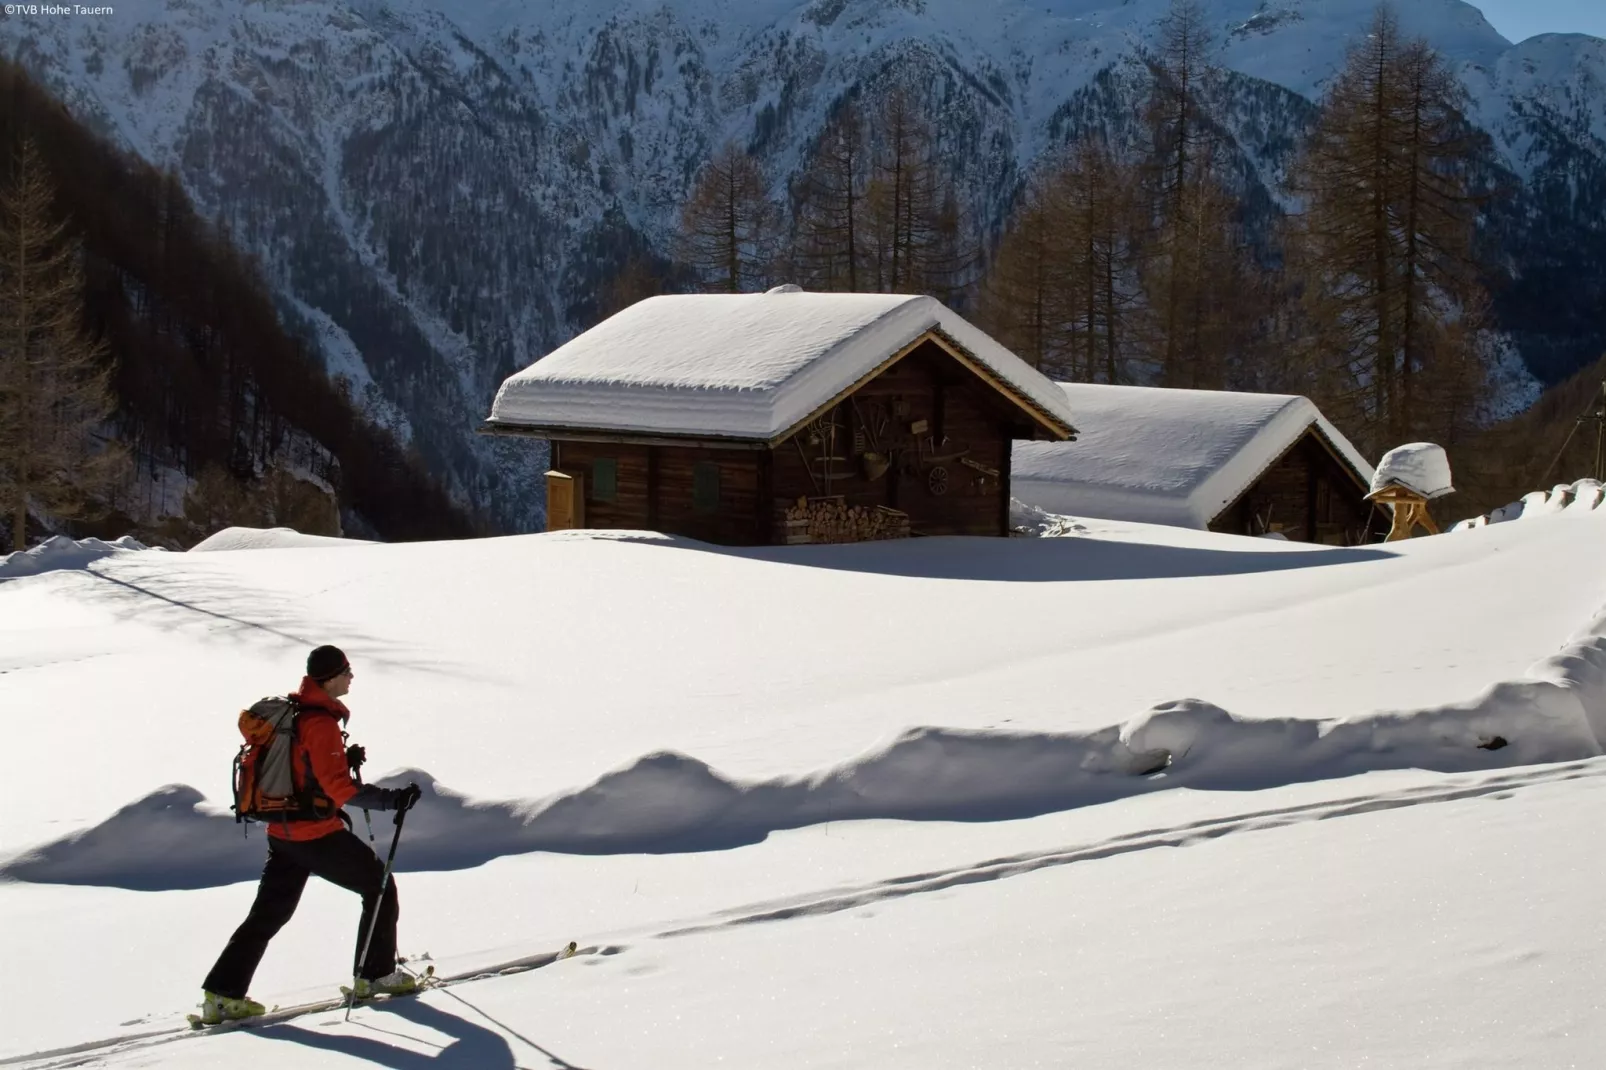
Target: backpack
x: 264, y: 778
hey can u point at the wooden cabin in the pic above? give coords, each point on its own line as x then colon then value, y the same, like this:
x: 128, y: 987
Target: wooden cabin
x: 1230, y: 462
x: 783, y: 417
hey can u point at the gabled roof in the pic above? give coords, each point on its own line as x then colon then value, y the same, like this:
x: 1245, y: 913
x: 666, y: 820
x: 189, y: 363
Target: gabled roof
x: 748, y: 366
x: 1162, y: 456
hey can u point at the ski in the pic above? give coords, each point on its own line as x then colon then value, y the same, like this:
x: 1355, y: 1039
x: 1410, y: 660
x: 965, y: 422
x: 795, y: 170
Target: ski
x: 429, y: 980
x: 426, y: 981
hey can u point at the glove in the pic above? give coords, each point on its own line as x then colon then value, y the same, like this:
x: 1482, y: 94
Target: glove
x: 404, y: 799
x: 355, y: 756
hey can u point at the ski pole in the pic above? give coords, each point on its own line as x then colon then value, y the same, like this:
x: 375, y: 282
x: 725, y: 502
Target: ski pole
x: 373, y: 923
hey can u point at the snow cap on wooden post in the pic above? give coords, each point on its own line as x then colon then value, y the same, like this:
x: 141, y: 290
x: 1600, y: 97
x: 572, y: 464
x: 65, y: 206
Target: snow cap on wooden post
x: 1420, y: 467
x: 1407, y: 478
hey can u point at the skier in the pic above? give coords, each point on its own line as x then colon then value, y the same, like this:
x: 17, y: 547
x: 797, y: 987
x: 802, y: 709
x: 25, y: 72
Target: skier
x: 317, y: 841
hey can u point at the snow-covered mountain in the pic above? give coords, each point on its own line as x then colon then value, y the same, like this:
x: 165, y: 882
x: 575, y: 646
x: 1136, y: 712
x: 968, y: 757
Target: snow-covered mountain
x: 439, y: 189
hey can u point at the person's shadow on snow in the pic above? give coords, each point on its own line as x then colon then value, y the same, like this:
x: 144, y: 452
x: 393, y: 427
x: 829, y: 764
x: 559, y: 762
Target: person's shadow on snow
x: 475, y: 1047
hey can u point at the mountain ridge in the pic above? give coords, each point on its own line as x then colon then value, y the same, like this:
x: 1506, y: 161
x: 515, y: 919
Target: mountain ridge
x: 437, y: 196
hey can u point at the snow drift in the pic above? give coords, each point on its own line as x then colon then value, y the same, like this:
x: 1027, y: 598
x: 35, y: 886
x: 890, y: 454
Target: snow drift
x: 61, y: 552
x: 666, y: 802
x: 237, y: 538
x: 1580, y: 496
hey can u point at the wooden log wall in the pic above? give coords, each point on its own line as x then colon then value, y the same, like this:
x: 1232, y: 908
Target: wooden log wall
x: 922, y: 449
x: 972, y: 452
x: 629, y: 509
x: 736, y: 521
x: 1306, y: 496
x: 655, y: 490
x: 925, y: 438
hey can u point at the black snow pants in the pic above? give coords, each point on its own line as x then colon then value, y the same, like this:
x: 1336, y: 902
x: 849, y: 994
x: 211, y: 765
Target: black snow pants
x: 339, y: 858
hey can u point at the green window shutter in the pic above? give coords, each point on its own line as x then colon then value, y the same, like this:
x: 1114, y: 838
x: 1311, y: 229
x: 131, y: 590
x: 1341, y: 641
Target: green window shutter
x: 605, y: 480
x: 705, y: 487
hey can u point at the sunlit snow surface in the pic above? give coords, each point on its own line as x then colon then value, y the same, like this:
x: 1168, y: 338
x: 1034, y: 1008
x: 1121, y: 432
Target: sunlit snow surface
x: 886, y: 805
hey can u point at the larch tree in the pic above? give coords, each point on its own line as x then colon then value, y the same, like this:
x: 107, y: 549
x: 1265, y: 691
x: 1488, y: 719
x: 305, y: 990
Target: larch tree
x: 1444, y: 348
x: 1383, y: 246
x: 55, y: 379
x: 1062, y: 286
x: 1214, y: 322
x: 637, y: 279
x: 1022, y: 293
x: 1096, y: 198
x: 913, y: 216
x: 1182, y: 192
x: 729, y: 227
x: 832, y: 239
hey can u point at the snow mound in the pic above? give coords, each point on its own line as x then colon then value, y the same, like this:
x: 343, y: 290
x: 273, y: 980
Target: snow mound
x: 1582, y: 496
x: 1032, y: 522
x: 1417, y: 466
x: 60, y: 552
x: 268, y: 539
x: 666, y: 802
x: 173, y: 824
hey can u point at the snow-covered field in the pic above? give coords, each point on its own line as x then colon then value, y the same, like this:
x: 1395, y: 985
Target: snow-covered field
x: 911, y: 804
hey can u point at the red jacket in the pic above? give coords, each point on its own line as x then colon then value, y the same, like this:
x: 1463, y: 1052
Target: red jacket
x: 320, y: 743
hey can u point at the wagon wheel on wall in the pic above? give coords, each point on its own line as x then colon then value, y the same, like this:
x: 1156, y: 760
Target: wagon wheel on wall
x: 937, y: 480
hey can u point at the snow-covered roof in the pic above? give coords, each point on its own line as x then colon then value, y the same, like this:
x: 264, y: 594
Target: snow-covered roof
x: 745, y: 366
x: 1164, y: 456
x: 1417, y: 466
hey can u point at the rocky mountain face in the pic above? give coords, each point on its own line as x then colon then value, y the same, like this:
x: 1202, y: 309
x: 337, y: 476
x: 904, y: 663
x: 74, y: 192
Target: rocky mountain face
x: 438, y: 196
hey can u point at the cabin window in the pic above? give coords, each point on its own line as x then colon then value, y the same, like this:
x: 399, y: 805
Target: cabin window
x: 604, y: 480
x: 705, y: 487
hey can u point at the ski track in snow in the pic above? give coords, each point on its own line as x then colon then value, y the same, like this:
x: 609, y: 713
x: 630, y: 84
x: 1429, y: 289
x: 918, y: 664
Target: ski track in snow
x: 1497, y: 786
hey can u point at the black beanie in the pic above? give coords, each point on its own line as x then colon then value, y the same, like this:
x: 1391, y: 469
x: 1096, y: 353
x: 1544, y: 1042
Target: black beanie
x: 326, y: 663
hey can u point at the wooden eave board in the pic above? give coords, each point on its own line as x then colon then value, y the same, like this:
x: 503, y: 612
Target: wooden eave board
x: 1039, y: 418
x: 591, y: 434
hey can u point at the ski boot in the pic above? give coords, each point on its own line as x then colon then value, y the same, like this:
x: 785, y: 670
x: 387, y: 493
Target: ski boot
x: 216, y: 1008
x: 395, y: 983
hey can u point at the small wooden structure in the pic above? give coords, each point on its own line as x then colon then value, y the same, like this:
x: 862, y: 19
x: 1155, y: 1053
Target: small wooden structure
x: 1407, y: 478
x: 1410, y: 511
x: 565, y: 501
x: 782, y: 418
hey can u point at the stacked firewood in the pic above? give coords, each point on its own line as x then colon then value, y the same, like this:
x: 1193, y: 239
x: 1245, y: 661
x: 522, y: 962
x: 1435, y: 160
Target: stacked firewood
x: 833, y: 520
